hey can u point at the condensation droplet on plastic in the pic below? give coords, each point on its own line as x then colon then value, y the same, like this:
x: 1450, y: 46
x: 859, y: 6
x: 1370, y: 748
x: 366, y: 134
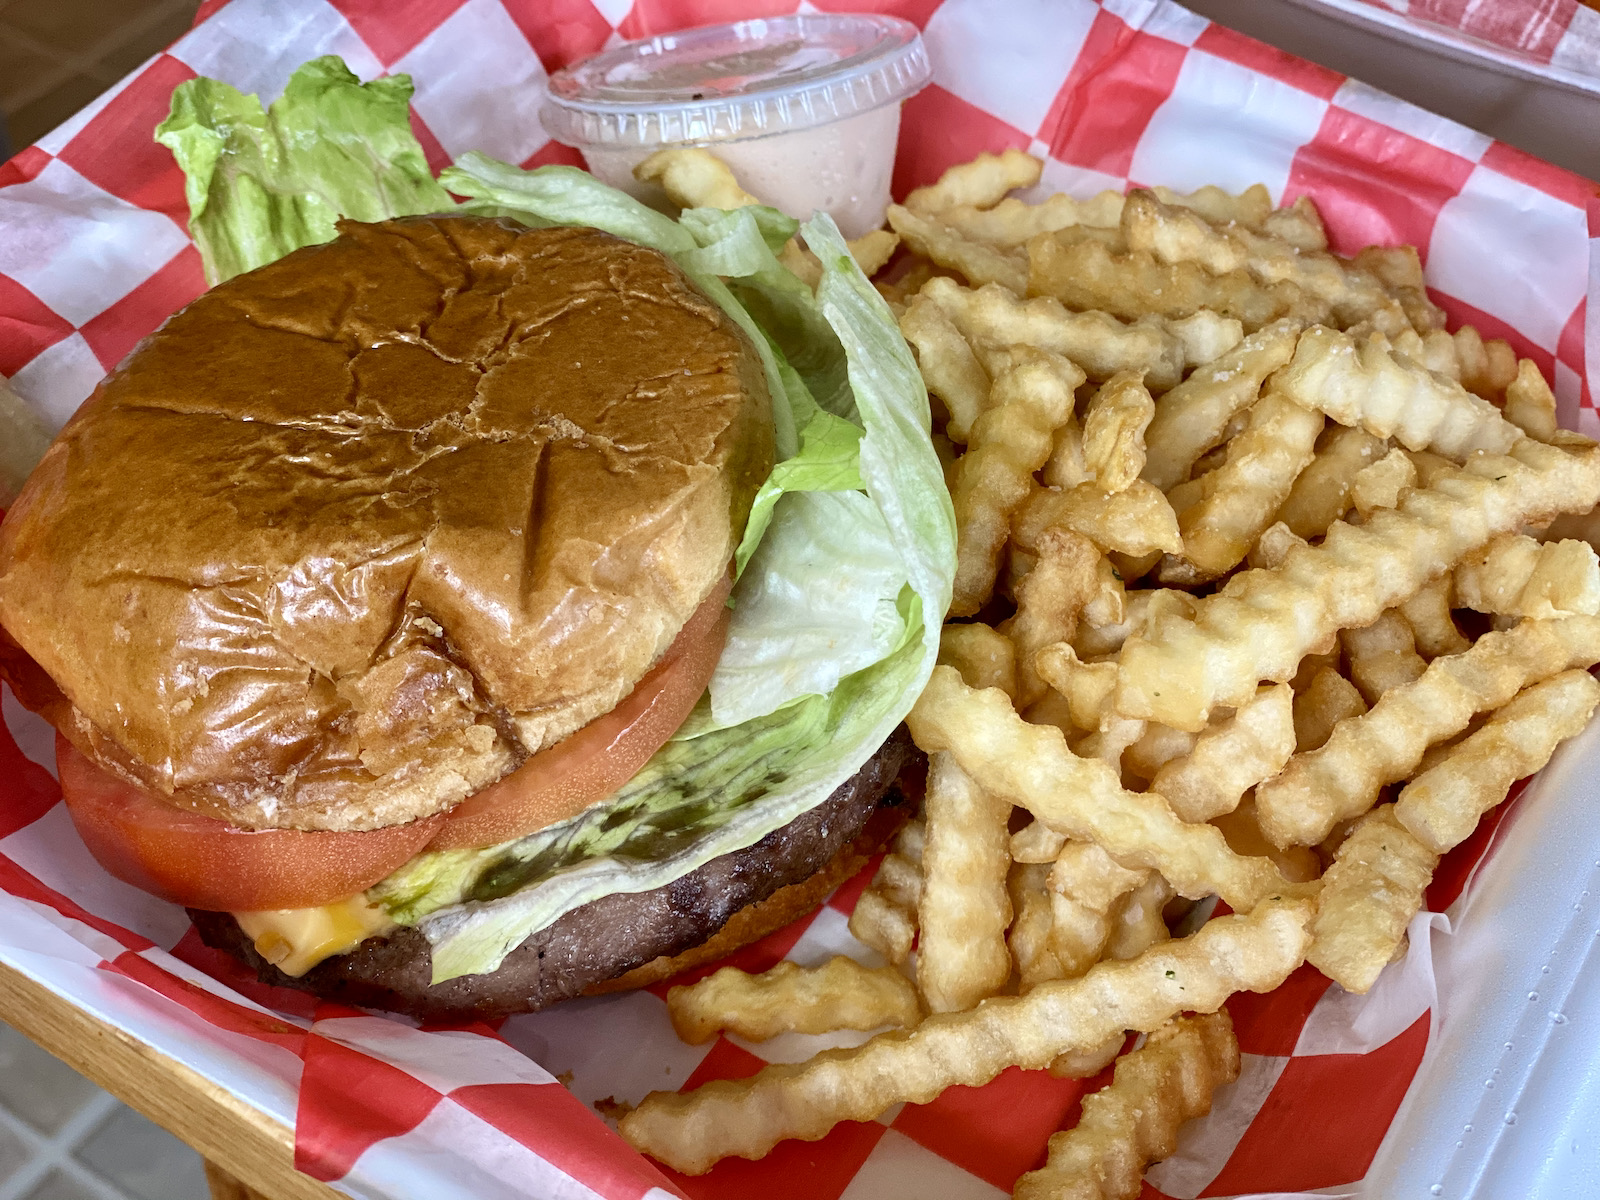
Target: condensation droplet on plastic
x: 1488, y: 1083
x: 1544, y: 970
x: 1558, y: 1018
x: 1508, y: 1045
x: 1511, y: 1118
x: 1438, y: 1188
x: 1533, y: 995
x: 1466, y: 1129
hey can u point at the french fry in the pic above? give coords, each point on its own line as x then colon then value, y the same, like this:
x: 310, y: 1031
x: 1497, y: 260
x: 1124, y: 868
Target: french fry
x: 1134, y: 1121
x: 1087, y: 275
x: 1137, y: 922
x: 1036, y: 842
x: 1399, y: 270
x: 1314, y: 662
x: 1231, y: 758
x: 1031, y: 766
x: 1156, y: 747
x: 982, y: 183
x: 1329, y: 699
x: 1136, y: 520
x: 1012, y: 223
x: 978, y: 262
x: 1382, y: 655
x: 1316, y: 791
x: 691, y: 1131
x: 1030, y: 938
x: 1172, y: 235
x: 1086, y: 1064
x: 1362, y: 383
x: 964, y: 910
x: 949, y: 368
x: 1108, y: 742
x: 1205, y: 335
x: 1066, y: 467
x: 1009, y: 443
x: 1251, y: 208
x: 1086, y: 687
x: 1389, y: 319
x: 1263, y: 622
x: 1242, y: 829
x: 1442, y: 805
x: 1273, y: 546
x: 1321, y: 493
x: 1299, y: 224
x: 1487, y: 368
x: 1380, y: 484
x: 1095, y: 641
x: 1436, y: 351
x: 1240, y: 497
x: 885, y: 915
x: 1113, y: 431
x: 1369, y: 896
x: 1430, y: 467
x: 1087, y: 888
x: 1085, y: 873
x: 1428, y: 614
x: 873, y: 250
x: 1193, y: 417
x: 840, y: 994
x: 1109, y: 604
x: 694, y: 178
x: 1585, y: 527
x: 1516, y: 576
x: 1050, y: 600
x: 985, y: 657
x: 1097, y: 342
x: 1530, y: 404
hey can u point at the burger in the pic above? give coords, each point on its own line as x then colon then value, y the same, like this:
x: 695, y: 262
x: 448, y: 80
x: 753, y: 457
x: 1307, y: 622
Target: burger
x: 363, y: 589
x: 492, y: 590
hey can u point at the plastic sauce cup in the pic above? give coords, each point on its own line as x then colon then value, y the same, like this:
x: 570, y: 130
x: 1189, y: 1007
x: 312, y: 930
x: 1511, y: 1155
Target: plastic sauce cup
x: 805, y: 109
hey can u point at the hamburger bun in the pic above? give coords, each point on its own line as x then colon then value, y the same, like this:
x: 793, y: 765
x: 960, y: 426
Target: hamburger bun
x: 356, y: 533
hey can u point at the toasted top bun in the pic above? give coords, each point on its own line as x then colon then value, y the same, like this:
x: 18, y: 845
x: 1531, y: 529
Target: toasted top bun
x: 355, y: 533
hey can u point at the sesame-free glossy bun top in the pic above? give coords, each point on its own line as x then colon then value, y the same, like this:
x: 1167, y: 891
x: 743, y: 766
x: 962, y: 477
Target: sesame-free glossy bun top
x: 355, y: 533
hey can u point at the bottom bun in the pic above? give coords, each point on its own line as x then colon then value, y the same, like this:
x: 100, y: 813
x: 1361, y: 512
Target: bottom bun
x: 628, y: 939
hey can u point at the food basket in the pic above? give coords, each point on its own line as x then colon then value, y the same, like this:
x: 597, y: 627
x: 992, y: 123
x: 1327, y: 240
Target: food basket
x: 1392, y: 1088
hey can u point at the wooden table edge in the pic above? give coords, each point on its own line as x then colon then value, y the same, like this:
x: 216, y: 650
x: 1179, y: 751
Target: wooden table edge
x: 240, y: 1139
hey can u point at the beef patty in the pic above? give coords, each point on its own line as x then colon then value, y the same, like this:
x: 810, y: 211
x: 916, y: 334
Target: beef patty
x: 611, y: 936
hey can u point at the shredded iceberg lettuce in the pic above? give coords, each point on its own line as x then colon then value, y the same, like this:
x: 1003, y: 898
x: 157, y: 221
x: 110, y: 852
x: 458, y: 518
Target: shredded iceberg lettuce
x: 847, y: 562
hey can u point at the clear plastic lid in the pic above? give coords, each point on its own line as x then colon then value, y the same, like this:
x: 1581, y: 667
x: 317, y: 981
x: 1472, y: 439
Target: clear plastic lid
x: 743, y: 80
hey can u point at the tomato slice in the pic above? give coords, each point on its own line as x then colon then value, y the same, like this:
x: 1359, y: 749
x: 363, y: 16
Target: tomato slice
x: 205, y: 863
x: 585, y: 767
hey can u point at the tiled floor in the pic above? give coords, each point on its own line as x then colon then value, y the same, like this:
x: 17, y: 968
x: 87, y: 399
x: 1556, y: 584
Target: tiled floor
x: 62, y: 1138
x: 57, y: 55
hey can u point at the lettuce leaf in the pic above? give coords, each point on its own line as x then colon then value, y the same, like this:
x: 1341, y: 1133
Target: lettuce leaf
x: 263, y: 183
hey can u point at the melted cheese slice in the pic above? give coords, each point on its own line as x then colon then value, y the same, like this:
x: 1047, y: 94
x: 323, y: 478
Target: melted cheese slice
x: 296, y: 939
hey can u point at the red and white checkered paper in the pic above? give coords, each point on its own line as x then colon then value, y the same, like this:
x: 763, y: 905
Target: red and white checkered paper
x: 93, y: 255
